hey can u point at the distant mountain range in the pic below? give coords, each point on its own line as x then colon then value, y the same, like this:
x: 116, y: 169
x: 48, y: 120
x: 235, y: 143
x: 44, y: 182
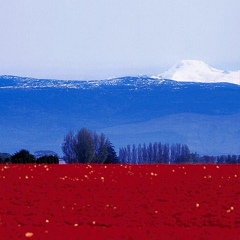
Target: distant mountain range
x: 184, y: 71
x: 191, y: 109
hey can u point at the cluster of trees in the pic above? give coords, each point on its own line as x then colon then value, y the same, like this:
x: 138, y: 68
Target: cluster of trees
x: 155, y: 153
x: 88, y: 147
x: 25, y: 157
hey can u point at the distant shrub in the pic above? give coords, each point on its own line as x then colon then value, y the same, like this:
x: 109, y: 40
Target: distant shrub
x: 48, y: 160
x: 5, y: 158
x: 23, y: 157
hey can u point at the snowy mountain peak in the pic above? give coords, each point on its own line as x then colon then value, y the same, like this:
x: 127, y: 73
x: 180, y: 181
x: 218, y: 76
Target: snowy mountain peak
x: 199, y: 71
x: 196, y: 65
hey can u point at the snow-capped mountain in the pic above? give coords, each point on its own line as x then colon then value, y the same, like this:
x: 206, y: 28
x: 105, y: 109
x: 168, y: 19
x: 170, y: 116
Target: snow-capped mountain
x: 198, y: 71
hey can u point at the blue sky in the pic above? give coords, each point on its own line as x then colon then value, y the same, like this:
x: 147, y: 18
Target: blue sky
x: 93, y: 39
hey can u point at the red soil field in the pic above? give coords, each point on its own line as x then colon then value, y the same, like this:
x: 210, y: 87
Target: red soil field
x: 119, y: 202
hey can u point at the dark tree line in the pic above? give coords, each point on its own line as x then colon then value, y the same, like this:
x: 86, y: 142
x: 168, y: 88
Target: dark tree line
x: 158, y: 153
x: 25, y: 157
x: 223, y: 159
x: 88, y: 147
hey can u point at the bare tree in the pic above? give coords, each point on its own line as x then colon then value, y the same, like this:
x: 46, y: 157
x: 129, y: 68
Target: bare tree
x: 68, y: 148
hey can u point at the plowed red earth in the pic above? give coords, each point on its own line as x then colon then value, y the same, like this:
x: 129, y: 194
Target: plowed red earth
x: 119, y: 202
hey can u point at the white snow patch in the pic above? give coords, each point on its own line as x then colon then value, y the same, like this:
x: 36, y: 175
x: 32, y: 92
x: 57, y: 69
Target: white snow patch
x: 198, y: 71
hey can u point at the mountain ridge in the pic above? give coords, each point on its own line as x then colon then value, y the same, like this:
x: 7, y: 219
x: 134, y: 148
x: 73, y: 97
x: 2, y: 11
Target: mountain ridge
x: 184, y: 71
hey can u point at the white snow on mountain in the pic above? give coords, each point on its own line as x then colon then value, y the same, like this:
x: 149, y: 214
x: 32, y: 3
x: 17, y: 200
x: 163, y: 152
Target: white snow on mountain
x: 198, y: 71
